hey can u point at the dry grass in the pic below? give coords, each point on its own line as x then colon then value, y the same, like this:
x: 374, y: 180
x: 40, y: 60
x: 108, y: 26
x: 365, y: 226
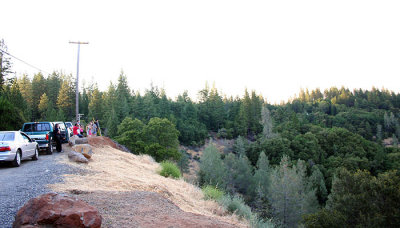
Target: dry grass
x: 113, y: 170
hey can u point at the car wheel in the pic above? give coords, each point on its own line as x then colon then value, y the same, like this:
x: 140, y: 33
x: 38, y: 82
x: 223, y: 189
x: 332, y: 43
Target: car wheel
x: 36, y: 155
x: 17, y: 159
x: 50, y: 149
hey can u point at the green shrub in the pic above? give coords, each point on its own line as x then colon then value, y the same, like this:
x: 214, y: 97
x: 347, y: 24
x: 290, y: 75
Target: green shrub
x: 169, y: 169
x: 236, y: 205
x: 211, y: 192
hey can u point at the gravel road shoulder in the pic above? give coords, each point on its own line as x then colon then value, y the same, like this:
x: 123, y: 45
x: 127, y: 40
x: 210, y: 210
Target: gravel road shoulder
x: 18, y: 185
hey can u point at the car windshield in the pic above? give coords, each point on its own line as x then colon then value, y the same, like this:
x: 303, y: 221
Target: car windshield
x: 7, y: 136
x: 68, y: 124
x: 36, y: 127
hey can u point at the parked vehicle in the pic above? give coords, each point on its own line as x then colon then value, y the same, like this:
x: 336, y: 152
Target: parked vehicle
x: 16, y: 146
x: 42, y: 133
x: 63, y: 131
x: 69, y: 127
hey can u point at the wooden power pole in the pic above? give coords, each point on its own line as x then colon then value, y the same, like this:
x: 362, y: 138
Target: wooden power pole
x: 77, y: 79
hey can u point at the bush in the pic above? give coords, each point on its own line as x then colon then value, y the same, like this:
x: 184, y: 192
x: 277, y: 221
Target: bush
x: 169, y: 169
x: 211, y: 192
x: 236, y: 205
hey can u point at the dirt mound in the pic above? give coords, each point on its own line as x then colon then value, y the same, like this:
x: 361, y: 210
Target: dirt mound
x: 101, y: 141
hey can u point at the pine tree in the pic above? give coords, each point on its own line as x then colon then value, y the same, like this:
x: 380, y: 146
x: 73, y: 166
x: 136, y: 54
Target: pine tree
x: 243, y: 175
x: 5, y: 64
x: 25, y: 87
x: 289, y: 193
x: 386, y: 121
x: 65, y: 100
x: 43, y: 106
x: 60, y: 115
x: 398, y: 130
x: 395, y: 141
x: 262, y: 175
x: 95, y: 105
x: 110, y: 103
x: 379, y: 132
x: 230, y: 161
x: 10, y: 117
x: 212, y: 170
x: 112, y: 124
x: 38, y: 88
x: 54, y: 82
x: 266, y: 122
x: 183, y: 163
x: 318, y: 183
x: 124, y: 97
x: 260, y: 186
x: 16, y: 97
x: 240, y: 147
x: 255, y: 113
x: 392, y: 120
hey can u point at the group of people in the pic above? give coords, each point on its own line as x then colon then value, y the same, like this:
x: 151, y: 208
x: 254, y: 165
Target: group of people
x: 91, y: 130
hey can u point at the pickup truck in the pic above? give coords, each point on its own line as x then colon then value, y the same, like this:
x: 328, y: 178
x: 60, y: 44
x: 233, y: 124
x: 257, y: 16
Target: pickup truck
x: 42, y: 133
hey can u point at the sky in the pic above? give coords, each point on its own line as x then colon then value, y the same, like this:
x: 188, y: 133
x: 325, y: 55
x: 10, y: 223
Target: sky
x: 272, y: 47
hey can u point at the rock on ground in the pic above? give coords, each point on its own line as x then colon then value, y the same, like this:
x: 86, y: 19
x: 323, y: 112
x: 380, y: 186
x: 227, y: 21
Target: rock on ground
x: 84, y: 149
x: 56, y: 210
x: 81, y: 141
x: 77, y: 157
x: 71, y: 140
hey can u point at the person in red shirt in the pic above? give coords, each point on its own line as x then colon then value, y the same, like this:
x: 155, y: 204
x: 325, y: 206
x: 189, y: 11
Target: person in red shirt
x: 76, y: 131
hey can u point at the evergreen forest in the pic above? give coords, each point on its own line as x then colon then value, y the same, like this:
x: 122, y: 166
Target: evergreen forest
x: 321, y: 159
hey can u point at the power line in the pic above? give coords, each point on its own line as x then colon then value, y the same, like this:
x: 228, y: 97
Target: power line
x: 24, y: 61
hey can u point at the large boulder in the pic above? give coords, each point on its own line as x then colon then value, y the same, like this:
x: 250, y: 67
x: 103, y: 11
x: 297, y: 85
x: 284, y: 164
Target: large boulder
x: 71, y: 140
x: 81, y: 141
x: 84, y: 149
x: 77, y: 157
x: 54, y: 210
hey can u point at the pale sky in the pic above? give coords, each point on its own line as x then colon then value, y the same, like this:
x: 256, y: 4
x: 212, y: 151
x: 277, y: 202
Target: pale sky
x: 273, y: 47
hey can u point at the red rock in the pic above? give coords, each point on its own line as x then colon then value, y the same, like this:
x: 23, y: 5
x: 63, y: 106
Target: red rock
x: 54, y: 210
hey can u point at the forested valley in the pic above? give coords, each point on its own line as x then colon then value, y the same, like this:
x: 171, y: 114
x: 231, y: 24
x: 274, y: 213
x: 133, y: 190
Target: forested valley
x: 322, y: 159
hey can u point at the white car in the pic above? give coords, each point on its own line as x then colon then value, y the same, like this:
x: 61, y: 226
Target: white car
x: 16, y: 146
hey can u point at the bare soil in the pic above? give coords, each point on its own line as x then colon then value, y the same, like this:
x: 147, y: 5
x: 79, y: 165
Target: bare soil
x: 144, y: 209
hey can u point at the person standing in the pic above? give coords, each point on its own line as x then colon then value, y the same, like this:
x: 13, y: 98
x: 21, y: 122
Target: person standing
x: 94, y: 129
x: 57, y: 138
x: 89, y: 129
x: 98, y: 127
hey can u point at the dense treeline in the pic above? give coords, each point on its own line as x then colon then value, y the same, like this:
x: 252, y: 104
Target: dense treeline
x: 326, y: 158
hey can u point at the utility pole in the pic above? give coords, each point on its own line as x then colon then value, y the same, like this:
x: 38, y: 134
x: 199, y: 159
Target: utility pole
x: 77, y: 79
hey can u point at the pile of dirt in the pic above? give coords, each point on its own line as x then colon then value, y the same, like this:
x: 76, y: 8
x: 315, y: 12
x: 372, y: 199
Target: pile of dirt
x: 115, y: 176
x: 101, y: 141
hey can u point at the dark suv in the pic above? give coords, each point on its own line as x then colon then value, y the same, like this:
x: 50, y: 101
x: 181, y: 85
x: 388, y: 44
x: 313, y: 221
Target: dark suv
x: 42, y: 133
